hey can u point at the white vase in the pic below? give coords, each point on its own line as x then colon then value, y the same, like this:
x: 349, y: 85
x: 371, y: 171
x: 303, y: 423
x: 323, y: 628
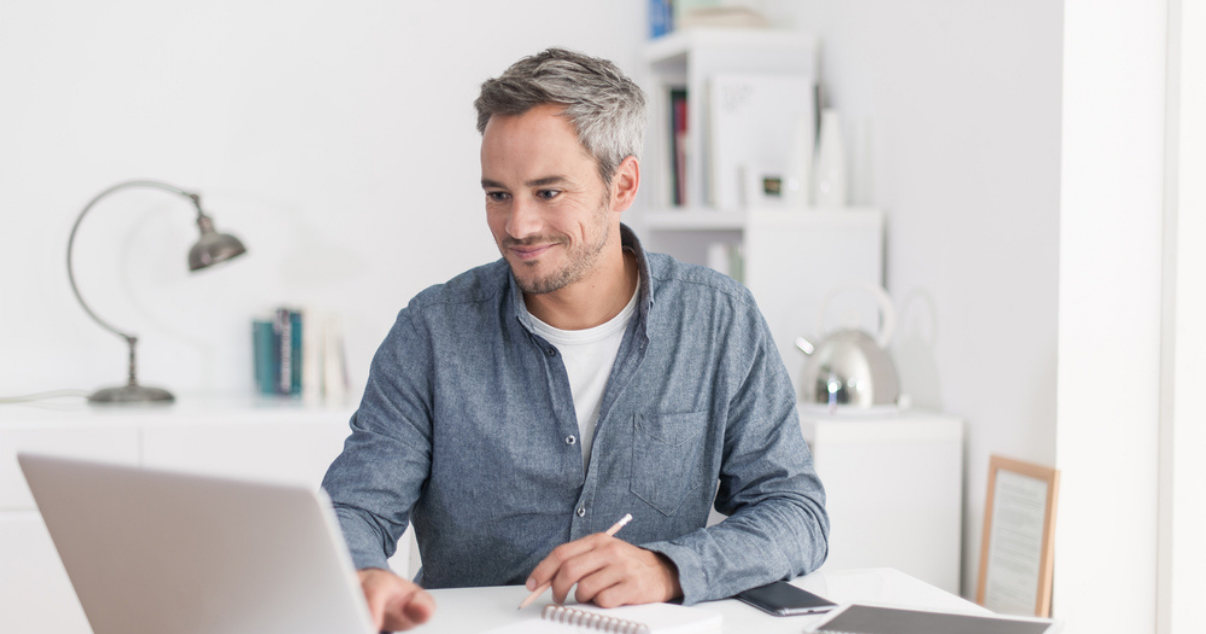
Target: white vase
x: 798, y: 179
x: 829, y: 168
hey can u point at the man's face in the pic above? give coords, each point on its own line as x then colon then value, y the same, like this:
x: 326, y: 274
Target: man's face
x: 546, y: 205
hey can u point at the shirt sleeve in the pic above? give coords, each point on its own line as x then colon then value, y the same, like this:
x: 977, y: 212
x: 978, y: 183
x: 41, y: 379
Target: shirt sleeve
x: 377, y: 479
x: 777, y: 526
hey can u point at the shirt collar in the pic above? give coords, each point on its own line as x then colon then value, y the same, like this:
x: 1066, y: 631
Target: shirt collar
x: 629, y: 242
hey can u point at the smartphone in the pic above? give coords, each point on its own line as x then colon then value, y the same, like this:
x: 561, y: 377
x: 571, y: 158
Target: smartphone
x: 783, y: 599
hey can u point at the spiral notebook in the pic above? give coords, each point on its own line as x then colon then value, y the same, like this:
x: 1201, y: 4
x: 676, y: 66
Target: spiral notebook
x: 653, y: 618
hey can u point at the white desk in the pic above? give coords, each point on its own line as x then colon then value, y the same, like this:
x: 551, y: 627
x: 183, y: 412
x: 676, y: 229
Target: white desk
x: 467, y: 610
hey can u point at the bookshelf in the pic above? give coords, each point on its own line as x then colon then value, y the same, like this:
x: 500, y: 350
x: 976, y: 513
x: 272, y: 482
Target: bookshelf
x: 685, y: 60
x: 739, y: 220
x: 791, y: 257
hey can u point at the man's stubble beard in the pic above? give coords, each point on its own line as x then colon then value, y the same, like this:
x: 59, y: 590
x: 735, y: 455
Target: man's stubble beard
x: 581, y: 260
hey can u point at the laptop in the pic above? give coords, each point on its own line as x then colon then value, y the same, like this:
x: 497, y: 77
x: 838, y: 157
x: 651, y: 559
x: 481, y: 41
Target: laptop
x: 157, y: 552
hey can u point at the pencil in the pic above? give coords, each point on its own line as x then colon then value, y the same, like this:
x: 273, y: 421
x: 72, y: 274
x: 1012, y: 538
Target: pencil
x: 615, y: 528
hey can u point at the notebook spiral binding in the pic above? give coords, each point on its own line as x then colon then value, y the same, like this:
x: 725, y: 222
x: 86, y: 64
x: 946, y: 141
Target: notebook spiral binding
x: 592, y: 620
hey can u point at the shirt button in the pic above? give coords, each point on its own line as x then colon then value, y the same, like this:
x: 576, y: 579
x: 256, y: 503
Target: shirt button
x: 569, y: 440
x: 581, y: 511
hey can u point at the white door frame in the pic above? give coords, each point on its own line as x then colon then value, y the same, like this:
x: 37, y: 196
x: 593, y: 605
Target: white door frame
x: 1111, y: 315
x: 1181, y: 579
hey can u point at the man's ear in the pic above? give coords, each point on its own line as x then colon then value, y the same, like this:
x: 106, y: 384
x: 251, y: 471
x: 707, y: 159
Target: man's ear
x: 624, y: 184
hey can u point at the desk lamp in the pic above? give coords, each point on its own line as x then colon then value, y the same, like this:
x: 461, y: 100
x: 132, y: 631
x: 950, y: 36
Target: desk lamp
x: 211, y: 248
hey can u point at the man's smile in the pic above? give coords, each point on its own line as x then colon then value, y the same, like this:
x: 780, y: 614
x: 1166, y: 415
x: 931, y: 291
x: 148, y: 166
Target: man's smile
x: 530, y: 252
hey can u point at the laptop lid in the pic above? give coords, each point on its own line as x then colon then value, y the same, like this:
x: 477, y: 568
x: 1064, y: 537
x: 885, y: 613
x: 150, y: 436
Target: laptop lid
x: 153, y: 552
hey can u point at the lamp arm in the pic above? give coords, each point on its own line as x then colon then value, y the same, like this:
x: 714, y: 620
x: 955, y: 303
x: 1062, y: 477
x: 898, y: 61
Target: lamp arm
x: 130, y: 339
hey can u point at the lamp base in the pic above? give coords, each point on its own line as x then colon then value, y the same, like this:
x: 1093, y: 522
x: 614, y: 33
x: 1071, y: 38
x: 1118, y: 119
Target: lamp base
x: 131, y: 395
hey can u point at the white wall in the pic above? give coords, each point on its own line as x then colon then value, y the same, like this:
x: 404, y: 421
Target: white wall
x: 335, y: 138
x: 959, y: 103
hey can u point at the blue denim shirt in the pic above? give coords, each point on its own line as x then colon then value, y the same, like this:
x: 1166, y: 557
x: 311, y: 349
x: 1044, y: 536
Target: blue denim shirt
x: 467, y: 429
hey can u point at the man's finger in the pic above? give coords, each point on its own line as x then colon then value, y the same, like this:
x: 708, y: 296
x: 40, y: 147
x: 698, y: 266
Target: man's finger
x: 394, y: 603
x: 604, y: 578
x: 421, y: 607
x: 574, y: 569
x: 376, y: 605
x: 550, y: 565
x: 408, y: 611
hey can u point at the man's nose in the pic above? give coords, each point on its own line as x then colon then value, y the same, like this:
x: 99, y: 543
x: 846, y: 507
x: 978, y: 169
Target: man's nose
x: 525, y: 218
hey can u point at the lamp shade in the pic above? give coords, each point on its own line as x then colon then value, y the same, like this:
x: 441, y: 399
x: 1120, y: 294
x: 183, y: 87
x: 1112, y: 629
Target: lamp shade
x: 213, y: 247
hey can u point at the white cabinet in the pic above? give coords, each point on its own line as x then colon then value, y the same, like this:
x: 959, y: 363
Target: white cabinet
x: 297, y: 451
x: 250, y: 438
x: 115, y: 442
x: 894, y: 489
x: 35, y: 593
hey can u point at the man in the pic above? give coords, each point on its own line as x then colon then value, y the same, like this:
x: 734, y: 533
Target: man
x: 517, y: 411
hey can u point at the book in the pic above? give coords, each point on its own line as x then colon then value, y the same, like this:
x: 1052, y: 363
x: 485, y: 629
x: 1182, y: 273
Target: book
x: 721, y: 17
x: 311, y: 357
x: 263, y: 344
x: 294, y: 386
x: 661, y: 18
x: 283, y: 330
x: 334, y: 367
x: 299, y: 353
x: 866, y: 619
x: 651, y: 618
x: 678, y: 146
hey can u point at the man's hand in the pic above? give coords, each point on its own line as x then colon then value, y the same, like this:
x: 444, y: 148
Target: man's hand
x: 609, y: 571
x: 394, y: 603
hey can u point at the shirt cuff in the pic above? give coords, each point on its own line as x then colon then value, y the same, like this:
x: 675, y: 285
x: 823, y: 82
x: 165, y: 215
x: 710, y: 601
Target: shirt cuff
x: 363, y: 544
x: 692, y: 576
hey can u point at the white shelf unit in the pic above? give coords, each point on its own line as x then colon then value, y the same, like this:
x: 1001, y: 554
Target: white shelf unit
x: 687, y: 59
x: 792, y: 260
x: 707, y: 220
x: 894, y: 488
x: 792, y: 257
x: 255, y: 438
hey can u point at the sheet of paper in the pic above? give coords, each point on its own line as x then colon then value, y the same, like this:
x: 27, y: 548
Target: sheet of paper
x: 1016, y: 545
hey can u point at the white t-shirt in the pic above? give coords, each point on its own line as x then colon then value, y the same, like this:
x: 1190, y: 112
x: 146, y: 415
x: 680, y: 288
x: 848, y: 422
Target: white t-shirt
x: 588, y: 356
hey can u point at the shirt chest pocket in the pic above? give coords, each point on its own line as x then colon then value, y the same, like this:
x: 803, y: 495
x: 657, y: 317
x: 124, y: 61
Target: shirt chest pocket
x: 667, y: 457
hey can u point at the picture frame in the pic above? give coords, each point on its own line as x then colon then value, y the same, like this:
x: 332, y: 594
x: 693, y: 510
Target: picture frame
x: 770, y: 187
x: 1016, y: 552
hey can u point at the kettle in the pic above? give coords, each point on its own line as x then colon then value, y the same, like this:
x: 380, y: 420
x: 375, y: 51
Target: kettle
x: 849, y: 367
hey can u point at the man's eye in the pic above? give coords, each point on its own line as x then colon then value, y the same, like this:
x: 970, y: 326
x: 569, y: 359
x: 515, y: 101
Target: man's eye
x: 547, y: 194
x: 496, y: 197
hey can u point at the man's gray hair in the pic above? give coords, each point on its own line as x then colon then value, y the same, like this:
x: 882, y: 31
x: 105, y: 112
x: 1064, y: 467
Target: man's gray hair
x: 606, y: 107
